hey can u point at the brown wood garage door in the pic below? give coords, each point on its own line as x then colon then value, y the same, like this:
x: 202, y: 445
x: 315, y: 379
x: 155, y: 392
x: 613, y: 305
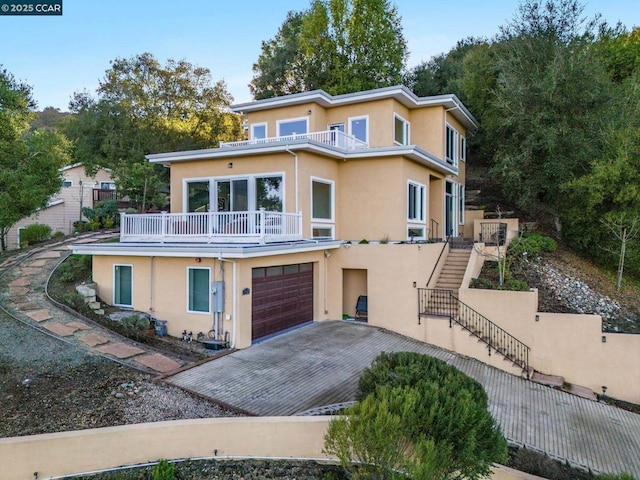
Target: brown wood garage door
x: 282, y: 298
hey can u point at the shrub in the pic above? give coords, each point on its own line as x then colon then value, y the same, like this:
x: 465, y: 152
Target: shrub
x: 135, y: 323
x: 481, y: 283
x: 75, y: 268
x: 103, y: 215
x: 35, y: 233
x: 515, y: 285
x: 418, y: 415
x: 532, y: 245
x: 58, y: 234
x: 164, y: 471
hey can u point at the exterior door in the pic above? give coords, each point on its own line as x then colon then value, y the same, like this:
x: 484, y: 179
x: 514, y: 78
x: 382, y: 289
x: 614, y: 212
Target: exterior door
x: 450, y: 210
x: 123, y: 285
x: 282, y: 298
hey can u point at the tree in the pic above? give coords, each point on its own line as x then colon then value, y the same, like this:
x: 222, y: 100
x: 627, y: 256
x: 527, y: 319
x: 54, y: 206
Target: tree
x: 551, y: 94
x: 417, y: 417
x: 143, y: 107
x: 29, y: 162
x: 339, y: 46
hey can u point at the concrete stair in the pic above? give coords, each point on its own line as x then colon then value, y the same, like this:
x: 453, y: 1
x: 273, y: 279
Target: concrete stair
x: 453, y: 269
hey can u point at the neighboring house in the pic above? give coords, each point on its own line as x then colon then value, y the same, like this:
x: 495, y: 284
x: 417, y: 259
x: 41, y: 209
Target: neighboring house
x: 77, y: 191
x: 330, y: 199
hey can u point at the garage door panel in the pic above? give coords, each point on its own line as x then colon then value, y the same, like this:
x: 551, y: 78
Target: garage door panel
x: 282, y: 298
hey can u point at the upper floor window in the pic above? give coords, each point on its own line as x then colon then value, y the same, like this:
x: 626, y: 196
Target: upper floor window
x: 321, y: 199
x: 416, y: 202
x: 463, y: 148
x: 258, y: 131
x: 451, y: 146
x: 400, y: 130
x: 359, y: 128
x: 293, y: 126
x: 67, y: 183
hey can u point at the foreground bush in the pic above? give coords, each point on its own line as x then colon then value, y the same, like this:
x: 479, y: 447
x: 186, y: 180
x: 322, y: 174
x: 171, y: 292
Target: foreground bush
x: 34, y: 233
x: 417, y: 417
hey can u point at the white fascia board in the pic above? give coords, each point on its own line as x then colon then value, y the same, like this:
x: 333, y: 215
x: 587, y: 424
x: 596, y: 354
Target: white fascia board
x: 203, y: 251
x: 228, y: 152
x: 399, y: 93
x: 411, y: 151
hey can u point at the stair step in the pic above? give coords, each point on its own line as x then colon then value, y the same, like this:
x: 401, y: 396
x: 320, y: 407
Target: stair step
x: 549, y: 380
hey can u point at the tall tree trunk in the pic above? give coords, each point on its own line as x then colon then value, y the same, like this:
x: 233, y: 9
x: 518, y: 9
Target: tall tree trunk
x: 623, y: 252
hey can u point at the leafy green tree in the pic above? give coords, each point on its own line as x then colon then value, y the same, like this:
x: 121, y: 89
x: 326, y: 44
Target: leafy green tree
x: 29, y: 161
x: 277, y: 71
x: 144, y: 107
x: 339, y: 46
x: 551, y: 94
x: 417, y: 417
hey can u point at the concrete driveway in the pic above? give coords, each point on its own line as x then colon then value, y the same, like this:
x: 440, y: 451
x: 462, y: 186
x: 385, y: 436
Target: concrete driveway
x: 319, y: 364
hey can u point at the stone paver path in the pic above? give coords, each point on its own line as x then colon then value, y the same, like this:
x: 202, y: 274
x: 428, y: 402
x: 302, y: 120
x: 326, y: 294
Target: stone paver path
x: 22, y: 294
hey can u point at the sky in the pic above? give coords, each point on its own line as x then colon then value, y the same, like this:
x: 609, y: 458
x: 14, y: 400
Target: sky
x: 60, y: 55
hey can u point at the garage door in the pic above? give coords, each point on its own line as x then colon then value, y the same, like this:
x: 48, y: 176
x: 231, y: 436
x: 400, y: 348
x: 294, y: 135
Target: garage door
x: 282, y: 298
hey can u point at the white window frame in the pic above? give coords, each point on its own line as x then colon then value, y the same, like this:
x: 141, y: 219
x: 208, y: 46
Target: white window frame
x: 422, y: 189
x: 199, y: 312
x: 70, y: 182
x: 456, y: 206
x: 463, y: 148
x: 251, y: 188
x: 111, y: 185
x: 453, y: 159
x: 350, y: 126
x: 461, y: 203
x: 254, y: 125
x: 331, y: 227
x: 406, y: 130
x: 332, y: 184
x: 291, y: 120
x: 416, y: 237
x: 113, y: 293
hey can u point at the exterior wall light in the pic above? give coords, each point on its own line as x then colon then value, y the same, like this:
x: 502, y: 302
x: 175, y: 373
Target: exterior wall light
x: 230, y: 165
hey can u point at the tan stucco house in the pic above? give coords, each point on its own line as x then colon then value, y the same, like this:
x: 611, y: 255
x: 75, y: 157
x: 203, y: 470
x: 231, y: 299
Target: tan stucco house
x: 78, y: 190
x: 333, y: 198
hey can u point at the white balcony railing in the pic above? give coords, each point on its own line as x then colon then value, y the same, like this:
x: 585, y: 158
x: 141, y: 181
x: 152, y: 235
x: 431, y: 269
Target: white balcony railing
x: 334, y: 138
x: 211, y: 227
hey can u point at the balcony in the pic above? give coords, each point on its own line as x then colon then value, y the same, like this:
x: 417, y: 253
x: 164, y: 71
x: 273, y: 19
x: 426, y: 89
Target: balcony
x: 259, y: 227
x: 333, y: 138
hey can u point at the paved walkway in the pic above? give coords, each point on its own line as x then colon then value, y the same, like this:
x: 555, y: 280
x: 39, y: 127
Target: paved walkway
x: 22, y: 295
x: 319, y: 364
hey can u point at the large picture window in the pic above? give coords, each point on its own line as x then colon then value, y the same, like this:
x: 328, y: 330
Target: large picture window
x: 123, y: 285
x: 322, y: 199
x: 291, y: 127
x: 198, y: 290
x: 235, y: 194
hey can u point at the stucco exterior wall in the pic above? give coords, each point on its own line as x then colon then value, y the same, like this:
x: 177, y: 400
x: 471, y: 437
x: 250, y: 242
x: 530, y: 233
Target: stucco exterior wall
x: 391, y: 270
x: 67, y: 453
x: 160, y: 289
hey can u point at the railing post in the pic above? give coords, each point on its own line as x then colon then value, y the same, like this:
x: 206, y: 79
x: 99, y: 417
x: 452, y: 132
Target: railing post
x: 210, y: 216
x: 263, y: 226
x: 163, y: 229
x: 122, y: 225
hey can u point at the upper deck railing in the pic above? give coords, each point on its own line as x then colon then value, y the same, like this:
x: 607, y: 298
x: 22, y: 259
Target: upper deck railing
x: 211, y: 227
x: 334, y: 138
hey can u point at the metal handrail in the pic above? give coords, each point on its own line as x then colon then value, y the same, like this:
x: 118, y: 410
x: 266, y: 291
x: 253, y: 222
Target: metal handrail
x: 446, y: 242
x: 437, y: 302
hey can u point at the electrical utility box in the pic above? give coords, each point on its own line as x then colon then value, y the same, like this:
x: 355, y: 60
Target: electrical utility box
x: 217, y: 290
